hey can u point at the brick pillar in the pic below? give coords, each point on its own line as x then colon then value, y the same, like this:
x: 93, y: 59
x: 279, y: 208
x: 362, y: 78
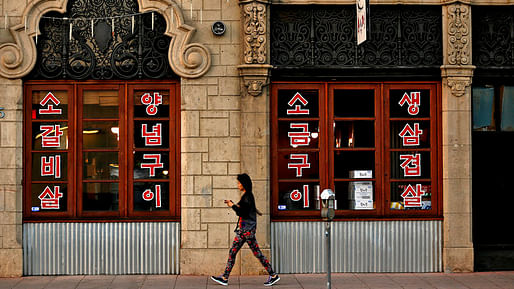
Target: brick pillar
x: 457, y: 73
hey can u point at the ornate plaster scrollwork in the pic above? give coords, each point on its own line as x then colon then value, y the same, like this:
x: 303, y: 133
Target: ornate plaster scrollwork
x: 458, y: 85
x: 189, y: 60
x: 459, y: 49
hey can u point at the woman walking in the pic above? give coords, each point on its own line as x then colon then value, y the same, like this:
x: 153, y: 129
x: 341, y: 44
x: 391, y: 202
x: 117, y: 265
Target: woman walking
x: 245, y: 232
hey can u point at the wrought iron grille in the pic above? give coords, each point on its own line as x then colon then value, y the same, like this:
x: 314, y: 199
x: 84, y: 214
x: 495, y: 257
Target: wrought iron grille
x: 325, y: 37
x: 493, y: 37
x: 134, y: 50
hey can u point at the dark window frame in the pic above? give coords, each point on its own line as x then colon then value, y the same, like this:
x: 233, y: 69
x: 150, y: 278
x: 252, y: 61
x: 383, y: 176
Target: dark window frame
x: 382, y: 170
x: 74, y: 204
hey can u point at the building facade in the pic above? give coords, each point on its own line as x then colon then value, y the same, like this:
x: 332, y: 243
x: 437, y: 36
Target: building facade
x: 124, y: 124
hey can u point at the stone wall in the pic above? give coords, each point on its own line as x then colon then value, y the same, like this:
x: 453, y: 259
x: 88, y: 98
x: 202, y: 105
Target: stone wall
x: 212, y: 149
x: 11, y: 128
x: 225, y: 132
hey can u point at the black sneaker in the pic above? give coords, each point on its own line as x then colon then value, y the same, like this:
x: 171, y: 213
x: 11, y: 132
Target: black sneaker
x: 220, y: 280
x: 272, y: 280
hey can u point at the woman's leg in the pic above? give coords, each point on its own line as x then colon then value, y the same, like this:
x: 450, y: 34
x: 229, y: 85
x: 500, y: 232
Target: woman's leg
x: 252, y: 243
x: 236, y: 245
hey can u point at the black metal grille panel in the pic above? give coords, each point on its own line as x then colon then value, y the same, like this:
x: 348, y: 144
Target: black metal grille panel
x: 128, y: 53
x: 493, y: 36
x: 324, y: 36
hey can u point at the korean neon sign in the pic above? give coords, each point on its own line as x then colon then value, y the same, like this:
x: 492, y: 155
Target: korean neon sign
x: 50, y: 164
x: 411, y: 163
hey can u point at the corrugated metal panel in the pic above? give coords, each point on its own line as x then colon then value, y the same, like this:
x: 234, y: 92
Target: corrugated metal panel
x: 361, y: 246
x: 101, y: 248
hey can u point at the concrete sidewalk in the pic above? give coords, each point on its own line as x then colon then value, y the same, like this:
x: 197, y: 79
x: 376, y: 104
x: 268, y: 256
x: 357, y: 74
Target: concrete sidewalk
x: 482, y: 280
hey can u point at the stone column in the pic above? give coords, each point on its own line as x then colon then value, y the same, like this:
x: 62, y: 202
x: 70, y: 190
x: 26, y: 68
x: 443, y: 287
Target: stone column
x: 11, y: 131
x: 457, y: 73
x: 255, y: 127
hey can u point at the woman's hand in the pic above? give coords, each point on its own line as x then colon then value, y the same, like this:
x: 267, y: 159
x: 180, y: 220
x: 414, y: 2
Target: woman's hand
x: 229, y: 203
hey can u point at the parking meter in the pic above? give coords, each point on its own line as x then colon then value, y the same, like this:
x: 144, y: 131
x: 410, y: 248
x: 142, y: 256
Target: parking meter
x: 328, y: 205
x: 328, y: 212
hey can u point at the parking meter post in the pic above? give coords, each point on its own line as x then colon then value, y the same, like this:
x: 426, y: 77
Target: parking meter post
x: 328, y: 255
x: 328, y: 213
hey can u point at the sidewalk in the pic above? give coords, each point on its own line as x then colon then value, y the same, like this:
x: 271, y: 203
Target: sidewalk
x: 482, y: 280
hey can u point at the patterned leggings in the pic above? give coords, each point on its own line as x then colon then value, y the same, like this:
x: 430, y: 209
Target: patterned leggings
x: 239, y: 241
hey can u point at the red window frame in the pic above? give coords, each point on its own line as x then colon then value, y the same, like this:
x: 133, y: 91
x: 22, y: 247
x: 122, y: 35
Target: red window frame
x: 382, y: 149
x: 126, y: 149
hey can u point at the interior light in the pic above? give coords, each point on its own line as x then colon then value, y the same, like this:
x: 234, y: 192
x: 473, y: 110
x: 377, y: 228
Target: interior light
x: 90, y: 131
x: 116, y: 130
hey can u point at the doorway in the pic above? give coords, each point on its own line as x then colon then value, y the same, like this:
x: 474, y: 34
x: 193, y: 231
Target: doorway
x: 492, y: 154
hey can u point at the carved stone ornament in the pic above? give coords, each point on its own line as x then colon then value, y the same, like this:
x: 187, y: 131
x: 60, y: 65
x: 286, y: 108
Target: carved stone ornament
x: 254, y: 87
x: 254, y: 30
x: 458, y: 85
x: 254, y: 78
x: 189, y: 60
x: 459, y: 49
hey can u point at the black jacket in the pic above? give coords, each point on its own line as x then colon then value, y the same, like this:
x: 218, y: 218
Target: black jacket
x: 247, y: 212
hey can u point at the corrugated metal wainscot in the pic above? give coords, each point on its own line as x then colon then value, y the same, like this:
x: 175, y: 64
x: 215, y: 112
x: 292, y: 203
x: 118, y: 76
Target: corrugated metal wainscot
x: 360, y: 246
x: 101, y: 248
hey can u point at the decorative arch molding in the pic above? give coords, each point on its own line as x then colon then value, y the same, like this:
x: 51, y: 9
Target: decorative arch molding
x: 188, y: 60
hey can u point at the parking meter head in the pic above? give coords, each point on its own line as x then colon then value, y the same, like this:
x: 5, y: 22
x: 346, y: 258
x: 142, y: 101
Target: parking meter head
x: 328, y: 201
x: 327, y: 194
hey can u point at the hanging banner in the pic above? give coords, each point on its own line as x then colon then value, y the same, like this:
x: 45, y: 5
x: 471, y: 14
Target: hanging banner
x: 362, y: 20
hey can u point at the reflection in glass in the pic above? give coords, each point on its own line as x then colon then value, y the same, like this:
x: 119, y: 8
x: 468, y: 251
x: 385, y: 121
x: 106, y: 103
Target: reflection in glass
x: 49, y: 136
x: 100, y: 166
x: 50, y: 198
x: 347, y: 162
x: 349, y: 134
x: 153, y: 134
x: 151, y: 196
x: 298, y: 134
x: 49, y: 166
x: 410, y: 134
x: 355, y: 195
x: 354, y: 103
x: 296, y: 165
x: 298, y: 196
x: 49, y: 104
x: 100, y: 196
x: 100, y: 104
x: 151, y: 165
x: 410, y: 164
x: 299, y: 106
x: 411, y: 196
x: 151, y: 103
x: 410, y: 107
x: 100, y: 134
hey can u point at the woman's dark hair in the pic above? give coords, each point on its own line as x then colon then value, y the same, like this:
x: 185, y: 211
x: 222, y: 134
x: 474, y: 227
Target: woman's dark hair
x: 246, y: 181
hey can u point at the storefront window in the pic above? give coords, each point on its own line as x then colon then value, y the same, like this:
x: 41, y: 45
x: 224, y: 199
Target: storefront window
x: 373, y: 144
x: 101, y: 150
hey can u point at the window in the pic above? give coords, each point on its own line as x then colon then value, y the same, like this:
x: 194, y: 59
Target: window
x: 101, y: 150
x: 492, y: 108
x: 374, y: 144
